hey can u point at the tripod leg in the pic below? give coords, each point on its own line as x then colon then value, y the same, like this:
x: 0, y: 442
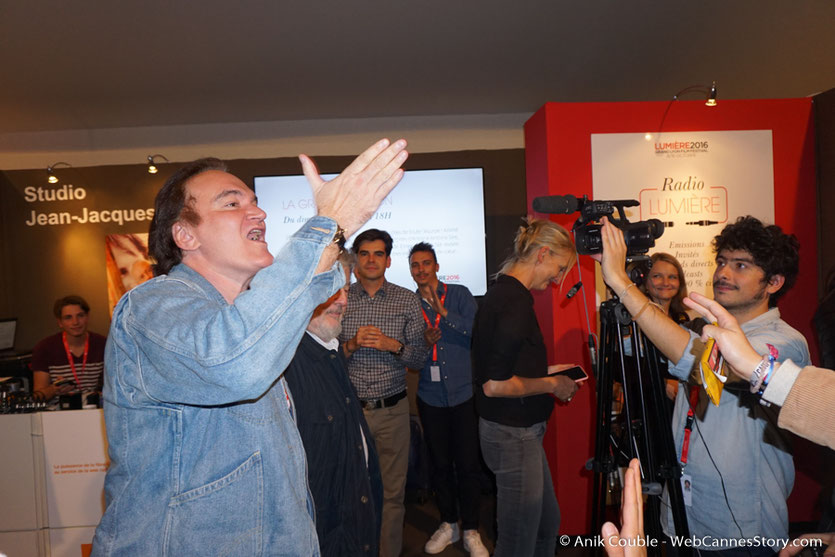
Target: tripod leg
x: 602, y: 464
x: 669, y: 471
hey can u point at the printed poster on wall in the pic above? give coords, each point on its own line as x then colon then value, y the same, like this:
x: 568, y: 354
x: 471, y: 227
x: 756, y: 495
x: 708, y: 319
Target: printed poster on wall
x: 694, y: 182
x: 128, y: 264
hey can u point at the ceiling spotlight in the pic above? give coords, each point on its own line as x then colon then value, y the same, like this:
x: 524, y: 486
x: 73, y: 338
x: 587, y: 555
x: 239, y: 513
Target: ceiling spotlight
x: 708, y: 92
x: 711, y: 98
x: 152, y: 168
x: 51, y: 177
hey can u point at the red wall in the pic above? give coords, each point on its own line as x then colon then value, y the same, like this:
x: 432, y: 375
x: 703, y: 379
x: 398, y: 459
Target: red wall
x: 558, y: 162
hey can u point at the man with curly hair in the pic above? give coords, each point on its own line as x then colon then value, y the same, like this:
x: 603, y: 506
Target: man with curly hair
x: 736, y: 459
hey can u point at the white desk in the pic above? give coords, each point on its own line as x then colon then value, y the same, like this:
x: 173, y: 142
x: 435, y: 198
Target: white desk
x: 51, y: 480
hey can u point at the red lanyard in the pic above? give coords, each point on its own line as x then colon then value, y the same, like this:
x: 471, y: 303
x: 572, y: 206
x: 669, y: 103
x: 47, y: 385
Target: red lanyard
x: 688, y: 425
x: 287, y: 398
x: 71, y: 360
x: 437, y: 321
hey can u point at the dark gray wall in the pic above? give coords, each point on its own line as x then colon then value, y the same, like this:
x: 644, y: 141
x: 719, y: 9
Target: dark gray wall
x: 825, y: 142
x: 43, y: 263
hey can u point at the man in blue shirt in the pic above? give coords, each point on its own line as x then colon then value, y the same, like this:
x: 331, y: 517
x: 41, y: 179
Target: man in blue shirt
x: 737, y: 461
x: 445, y: 402
x: 205, y: 457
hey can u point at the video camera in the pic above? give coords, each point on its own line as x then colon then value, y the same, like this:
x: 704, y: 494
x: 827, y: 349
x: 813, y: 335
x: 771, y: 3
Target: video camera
x: 639, y: 236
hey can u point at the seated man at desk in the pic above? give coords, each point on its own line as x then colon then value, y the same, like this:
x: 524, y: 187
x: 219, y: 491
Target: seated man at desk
x: 71, y: 361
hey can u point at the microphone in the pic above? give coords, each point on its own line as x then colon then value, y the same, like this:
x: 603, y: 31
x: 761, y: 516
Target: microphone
x: 559, y: 204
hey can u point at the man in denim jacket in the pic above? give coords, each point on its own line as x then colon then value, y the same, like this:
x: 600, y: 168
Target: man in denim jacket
x: 205, y: 457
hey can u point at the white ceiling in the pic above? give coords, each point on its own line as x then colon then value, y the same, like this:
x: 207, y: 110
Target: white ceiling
x: 92, y: 65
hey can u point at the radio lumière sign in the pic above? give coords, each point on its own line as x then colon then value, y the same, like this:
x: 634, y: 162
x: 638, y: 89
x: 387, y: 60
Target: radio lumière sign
x: 694, y: 182
x: 73, y: 209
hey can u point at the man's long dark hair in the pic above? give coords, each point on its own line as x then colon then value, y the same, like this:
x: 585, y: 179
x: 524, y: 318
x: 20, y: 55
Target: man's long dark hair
x: 171, y: 205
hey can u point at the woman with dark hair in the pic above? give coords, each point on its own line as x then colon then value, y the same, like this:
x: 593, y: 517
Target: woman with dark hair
x: 513, y: 388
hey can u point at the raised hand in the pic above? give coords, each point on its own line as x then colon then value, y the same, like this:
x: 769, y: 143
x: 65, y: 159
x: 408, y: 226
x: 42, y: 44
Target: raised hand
x: 728, y: 335
x: 431, y: 296
x: 631, y: 518
x: 613, y: 257
x: 352, y: 197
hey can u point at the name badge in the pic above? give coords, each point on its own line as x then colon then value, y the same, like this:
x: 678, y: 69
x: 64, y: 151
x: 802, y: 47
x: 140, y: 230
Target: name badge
x: 687, y: 489
x: 435, y: 373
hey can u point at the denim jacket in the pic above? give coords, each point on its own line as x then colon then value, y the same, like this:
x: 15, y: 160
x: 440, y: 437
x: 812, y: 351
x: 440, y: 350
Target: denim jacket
x: 205, y: 456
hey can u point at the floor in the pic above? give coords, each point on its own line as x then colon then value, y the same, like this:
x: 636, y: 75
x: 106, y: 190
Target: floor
x: 422, y: 519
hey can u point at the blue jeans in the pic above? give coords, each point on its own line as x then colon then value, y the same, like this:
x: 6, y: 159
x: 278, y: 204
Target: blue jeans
x: 528, y: 516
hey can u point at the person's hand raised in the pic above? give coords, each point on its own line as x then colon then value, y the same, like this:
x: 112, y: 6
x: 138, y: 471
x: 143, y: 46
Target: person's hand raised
x: 352, y: 197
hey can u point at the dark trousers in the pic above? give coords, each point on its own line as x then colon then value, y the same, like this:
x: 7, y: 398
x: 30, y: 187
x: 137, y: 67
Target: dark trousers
x: 451, y: 435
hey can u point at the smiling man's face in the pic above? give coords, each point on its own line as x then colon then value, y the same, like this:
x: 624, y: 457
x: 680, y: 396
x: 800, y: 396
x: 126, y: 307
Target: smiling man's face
x: 423, y: 267
x: 73, y: 321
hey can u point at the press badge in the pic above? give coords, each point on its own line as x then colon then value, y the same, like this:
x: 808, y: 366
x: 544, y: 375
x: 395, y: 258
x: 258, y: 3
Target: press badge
x: 687, y: 489
x: 435, y: 373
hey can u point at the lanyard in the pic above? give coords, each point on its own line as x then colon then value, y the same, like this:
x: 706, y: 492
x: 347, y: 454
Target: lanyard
x: 287, y: 398
x: 688, y: 424
x: 70, y: 357
x: 437, y: 321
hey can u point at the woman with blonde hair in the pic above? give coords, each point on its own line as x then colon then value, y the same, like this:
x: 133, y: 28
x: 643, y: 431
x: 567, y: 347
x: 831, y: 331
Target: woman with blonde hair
x: 513, y: 388
x: 666, y: 286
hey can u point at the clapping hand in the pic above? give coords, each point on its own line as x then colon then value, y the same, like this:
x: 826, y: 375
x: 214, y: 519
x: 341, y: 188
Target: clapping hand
x: 352, y: 197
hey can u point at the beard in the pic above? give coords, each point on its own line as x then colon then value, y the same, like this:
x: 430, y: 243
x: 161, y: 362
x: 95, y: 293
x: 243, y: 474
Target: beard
x: 326, y: 327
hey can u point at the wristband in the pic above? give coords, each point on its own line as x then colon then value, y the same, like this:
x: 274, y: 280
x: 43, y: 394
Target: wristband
x: 762, y: 373
x: 768, y: 376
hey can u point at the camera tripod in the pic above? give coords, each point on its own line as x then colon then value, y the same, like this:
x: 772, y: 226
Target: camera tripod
x: 643, y: 431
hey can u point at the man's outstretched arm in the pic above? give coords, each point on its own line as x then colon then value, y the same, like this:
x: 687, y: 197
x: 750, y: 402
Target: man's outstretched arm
x: 663, y: 332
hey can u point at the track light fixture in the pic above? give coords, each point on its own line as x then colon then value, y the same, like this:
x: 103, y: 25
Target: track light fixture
x: 152, y: 168
x: 51, y: 177
x: 711, y: 98
x: 709, y: 92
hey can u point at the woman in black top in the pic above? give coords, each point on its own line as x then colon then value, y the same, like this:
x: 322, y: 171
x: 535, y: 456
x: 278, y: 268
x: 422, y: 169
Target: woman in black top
x: 513, y: 389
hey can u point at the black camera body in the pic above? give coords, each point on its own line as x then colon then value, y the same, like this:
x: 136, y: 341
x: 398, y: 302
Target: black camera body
x: 639, y: 236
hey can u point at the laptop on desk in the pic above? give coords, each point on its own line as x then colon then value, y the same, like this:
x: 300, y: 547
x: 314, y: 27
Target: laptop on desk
x: 8, y: 328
